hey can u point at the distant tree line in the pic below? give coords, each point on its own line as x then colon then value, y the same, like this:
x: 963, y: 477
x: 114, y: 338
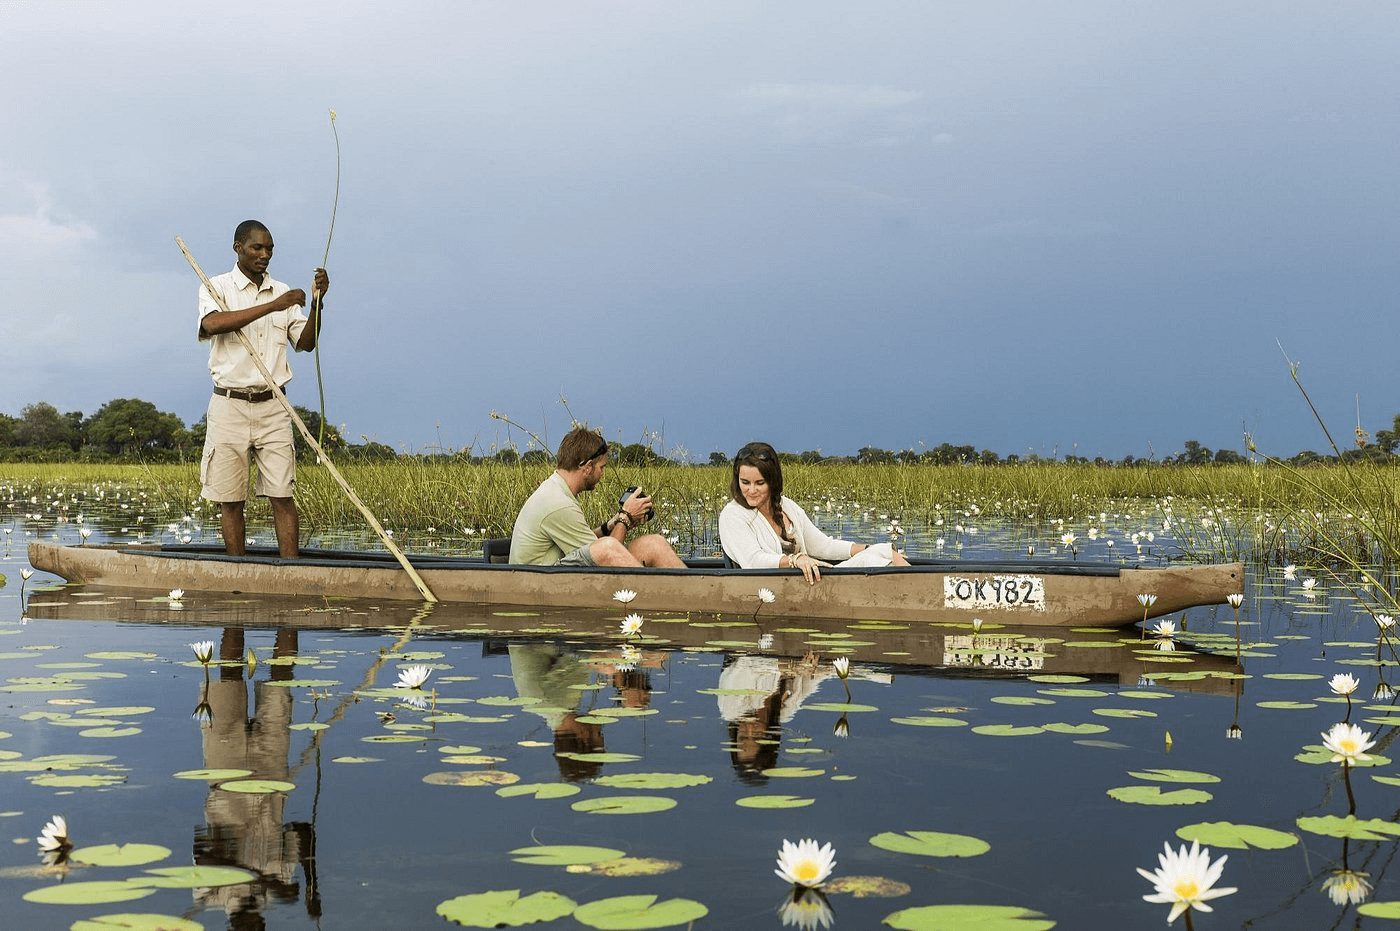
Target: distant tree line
x: 132, y: 430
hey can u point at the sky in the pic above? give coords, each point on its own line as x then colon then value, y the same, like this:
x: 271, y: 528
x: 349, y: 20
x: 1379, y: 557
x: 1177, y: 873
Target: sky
x: 1087, y: 228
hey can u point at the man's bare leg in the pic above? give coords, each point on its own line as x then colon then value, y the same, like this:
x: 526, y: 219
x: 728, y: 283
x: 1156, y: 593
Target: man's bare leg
x: 653, y: 550
x: 234, y: 527
x: 288, y: 526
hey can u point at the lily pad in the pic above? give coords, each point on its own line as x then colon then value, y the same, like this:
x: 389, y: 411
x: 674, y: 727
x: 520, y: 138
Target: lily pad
x: 1174, y: 775
x: 931, y: 844
x: 793, y: 772
x: 1077, y: 729
x: 920, y: 720
x: 1350, y: 826
x: 628, y: 866
x: 968, y: 918
x: 76, y: 780
x: 1153, y: 795
x: 773, y: 801
x: 87, y: 893
x: 866, y: 887
x: 257, y: 786
x: 628, y: 912
x: 624, y: 805
x: 1380, y: 909
x: 1007, y: 730
x: 473, y: 777
x: 212, y: 774
x: 120, y: 854
x: 505, y: 908
x: 652, y: 780
x: 136, y: 922
x: 564, y: 854
x: 1236, y: 836
x: 540, y: 790
x: 193, y: 877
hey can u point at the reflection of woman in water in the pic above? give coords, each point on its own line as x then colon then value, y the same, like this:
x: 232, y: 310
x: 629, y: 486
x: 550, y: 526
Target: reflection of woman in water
x: 759, y: 695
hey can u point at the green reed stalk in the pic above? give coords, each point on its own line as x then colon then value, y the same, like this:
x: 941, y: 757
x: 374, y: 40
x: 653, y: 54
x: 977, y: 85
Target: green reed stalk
x: 325, y: 257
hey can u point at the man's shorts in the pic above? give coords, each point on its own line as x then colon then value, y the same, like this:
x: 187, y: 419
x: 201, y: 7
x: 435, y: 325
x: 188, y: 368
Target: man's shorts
x: 236, y: 428
x: 583, y: 556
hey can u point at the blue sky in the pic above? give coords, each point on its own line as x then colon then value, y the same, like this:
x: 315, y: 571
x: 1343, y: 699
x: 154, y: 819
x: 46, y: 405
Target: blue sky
x: 1056, y: 228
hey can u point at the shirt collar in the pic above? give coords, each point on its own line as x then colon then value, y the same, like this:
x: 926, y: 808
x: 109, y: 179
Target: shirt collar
x: 244, y: 281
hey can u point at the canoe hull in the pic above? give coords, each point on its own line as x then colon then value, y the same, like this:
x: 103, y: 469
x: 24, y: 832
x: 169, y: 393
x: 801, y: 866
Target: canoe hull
x: 1032, y: 595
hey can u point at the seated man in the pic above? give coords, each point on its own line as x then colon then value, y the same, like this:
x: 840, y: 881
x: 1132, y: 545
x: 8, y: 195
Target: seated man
x: 551, y: 529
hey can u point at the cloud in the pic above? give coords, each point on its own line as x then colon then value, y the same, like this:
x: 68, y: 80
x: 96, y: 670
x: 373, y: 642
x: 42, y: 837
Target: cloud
x: 870, y: 115
x: 29, y: 228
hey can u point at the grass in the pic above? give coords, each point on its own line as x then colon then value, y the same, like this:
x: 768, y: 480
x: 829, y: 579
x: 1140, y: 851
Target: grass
x: 1338, y: 516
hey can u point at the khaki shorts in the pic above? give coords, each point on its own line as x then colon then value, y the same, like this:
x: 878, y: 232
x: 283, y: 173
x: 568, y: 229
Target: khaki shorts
x: 583, y: 556
x: 235, y: 429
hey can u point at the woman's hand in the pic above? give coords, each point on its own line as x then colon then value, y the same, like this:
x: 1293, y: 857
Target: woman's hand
x: 810, y: 566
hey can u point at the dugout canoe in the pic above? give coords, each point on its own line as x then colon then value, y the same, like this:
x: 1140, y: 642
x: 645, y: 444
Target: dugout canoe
x: 1031, y: 594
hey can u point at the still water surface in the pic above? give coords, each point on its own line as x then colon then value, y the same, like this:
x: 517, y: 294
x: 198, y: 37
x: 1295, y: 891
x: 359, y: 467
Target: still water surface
x: 395, y: 809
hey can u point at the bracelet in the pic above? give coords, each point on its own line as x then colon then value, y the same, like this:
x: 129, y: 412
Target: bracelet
x: 624, y: 518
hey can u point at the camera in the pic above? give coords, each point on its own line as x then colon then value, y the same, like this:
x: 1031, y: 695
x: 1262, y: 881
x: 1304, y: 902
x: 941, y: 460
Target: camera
x: 651, y: 512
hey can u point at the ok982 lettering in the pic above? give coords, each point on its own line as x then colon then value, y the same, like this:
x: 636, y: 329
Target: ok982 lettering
x: 994, y: 592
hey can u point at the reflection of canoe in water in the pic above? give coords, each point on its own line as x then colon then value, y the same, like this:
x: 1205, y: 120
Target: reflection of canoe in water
x: 1028, y: 594
x: 941, y: 649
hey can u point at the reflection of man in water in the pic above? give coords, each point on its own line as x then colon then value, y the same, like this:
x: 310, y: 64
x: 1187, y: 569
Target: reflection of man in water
x: 246, y: 830
x: 560, y: 680
x: 770, y: 691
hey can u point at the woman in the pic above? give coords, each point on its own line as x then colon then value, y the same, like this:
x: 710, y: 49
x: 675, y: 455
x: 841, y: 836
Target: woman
x: 756, y: 535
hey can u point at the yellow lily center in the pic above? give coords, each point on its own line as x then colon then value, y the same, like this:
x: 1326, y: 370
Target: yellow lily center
x: 807, y: 871
x: 1186, y: 890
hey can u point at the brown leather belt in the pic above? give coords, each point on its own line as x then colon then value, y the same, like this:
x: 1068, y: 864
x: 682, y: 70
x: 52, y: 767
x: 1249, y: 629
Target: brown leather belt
x: 238, y: 394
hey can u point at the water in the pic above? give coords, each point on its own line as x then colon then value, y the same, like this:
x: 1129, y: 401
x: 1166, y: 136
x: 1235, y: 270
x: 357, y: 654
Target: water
x: 377, y: 831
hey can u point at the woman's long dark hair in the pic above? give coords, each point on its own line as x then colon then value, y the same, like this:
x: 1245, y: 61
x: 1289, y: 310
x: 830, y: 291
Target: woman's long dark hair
x: 764, y: 458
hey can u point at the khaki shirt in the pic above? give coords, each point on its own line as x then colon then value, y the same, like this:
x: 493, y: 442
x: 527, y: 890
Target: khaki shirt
x: 229, y: 363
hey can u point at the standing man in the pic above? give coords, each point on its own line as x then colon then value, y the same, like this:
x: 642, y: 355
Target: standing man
x: 244, y: 415
x: 551, y: 529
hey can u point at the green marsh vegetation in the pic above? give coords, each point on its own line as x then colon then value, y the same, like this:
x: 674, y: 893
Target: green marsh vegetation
x: 1336, y: 517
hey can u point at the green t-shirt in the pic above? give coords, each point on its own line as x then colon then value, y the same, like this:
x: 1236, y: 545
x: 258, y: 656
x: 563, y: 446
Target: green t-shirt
x: 550, y: 525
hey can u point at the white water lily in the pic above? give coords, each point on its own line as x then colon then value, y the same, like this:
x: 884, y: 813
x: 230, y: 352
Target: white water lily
x: 1185, y: 879
x: 54, y: 836
x: 976, y: 625
x: 1290, y: 572
x: 766, y: 596
x: 624, y: 595
x: 1343, y: 683
x: 842, y: 665
x: 24, y: 574
x: 1348, y: 743
x: 1385, y: 621
x: 1068, y: 540
x: 176, y: 594
x: 1346, y: 887
x: 1309, y: 587
x: 1147, y: 600
x: 203, y: 651
x: 1383, y: 692
x: 632, y: 625
x: 1165, y: 629
x: 1234, y: 732
x: 413, y: 677
x: 1235, y: 599
x: 85, y: 533
x: 804, y: 863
